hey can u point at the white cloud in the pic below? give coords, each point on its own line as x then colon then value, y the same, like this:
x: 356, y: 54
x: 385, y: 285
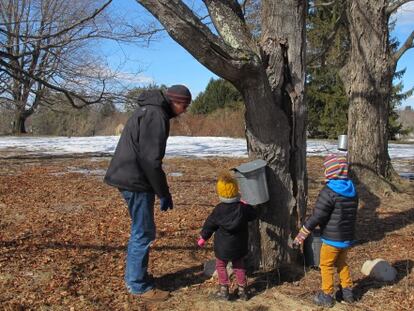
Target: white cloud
x: 134, y: 78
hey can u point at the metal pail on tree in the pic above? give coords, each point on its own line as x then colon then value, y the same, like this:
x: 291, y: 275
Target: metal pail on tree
x: 312, y: 249
x: 343, y: 142
x: 251, y: 177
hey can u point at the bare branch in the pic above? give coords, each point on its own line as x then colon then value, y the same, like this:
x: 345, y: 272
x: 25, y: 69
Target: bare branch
x: 71, y: 96
x: 75, y: 25
x: 227, y: 17
x: 408, y: 44
x: 181, y: 23
x: 395, y: 5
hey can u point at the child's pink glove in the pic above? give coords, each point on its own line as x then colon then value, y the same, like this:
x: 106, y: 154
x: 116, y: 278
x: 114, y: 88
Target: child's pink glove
x: 302, y: 235
x: 201, y: 242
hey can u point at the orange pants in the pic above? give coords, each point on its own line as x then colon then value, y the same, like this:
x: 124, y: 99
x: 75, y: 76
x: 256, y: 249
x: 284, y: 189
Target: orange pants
x: 330, y: 258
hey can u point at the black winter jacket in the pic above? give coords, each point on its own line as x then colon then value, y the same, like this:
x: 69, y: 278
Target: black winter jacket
x: 335, y: 214
x: 137, y: 163
x: 229, y: 221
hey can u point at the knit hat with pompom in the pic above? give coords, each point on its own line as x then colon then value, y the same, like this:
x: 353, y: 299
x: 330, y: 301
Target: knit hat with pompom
x: 227, y: 188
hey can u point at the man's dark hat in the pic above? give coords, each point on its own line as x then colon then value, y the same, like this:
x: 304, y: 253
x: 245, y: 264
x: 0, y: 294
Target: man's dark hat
x: 179, y: 93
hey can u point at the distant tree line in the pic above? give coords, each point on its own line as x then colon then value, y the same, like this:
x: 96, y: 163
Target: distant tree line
x: 327, y: 111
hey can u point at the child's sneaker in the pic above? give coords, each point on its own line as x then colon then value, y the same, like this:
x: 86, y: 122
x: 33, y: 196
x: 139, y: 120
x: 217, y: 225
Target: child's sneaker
x: 347, y: 295
x: 223, y: 293
x: 324, y: 300
x: 243, y: 293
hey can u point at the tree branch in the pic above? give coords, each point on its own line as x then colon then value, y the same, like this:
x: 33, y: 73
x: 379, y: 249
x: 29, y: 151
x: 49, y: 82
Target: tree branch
x: 71, y: 96
x: 395, y: 5
x: 73, y: 26
x: 227, y: 17
x: 408, y: 44
x: 188, y: 31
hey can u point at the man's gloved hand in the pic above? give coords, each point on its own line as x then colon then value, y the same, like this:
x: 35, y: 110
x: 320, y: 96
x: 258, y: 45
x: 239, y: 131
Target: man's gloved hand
x: 301, y: 237
x: 166, y: 203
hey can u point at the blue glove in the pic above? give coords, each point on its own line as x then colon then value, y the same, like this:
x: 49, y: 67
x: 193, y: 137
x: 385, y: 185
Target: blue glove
x: 166, y: 203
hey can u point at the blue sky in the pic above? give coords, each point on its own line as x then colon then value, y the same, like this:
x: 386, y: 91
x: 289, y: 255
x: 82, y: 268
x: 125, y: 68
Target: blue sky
x: 404, y: 27
x: 166, y: 62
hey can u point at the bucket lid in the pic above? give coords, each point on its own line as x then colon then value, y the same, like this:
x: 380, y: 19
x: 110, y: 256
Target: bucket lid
x: 250, y: 166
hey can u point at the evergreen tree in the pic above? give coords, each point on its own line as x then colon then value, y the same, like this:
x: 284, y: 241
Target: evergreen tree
x: 327, y: 51
x: 218, y: 94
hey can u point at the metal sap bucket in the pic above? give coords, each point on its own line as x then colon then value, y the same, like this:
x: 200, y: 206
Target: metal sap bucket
x: 312, y: 249
x: 343, y: 142
x: 251, y: 177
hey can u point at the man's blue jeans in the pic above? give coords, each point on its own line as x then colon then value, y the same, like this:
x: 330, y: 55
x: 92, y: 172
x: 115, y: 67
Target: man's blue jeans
x: 141, y: 211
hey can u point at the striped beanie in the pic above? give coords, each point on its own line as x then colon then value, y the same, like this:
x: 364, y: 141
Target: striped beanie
x: 336, y: 167
x: 179, y: 93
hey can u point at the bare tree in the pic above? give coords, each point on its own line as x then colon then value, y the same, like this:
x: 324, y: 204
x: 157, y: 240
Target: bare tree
x: 47, y: 44
x: 367, y: 77
x: 266, y: 65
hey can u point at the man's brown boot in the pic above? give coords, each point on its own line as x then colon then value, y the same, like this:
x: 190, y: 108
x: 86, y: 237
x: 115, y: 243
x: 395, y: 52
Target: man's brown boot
x: 154, y: 295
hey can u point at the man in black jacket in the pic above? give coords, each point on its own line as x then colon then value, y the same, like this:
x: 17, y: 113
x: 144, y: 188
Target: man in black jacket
x: 136, y: 170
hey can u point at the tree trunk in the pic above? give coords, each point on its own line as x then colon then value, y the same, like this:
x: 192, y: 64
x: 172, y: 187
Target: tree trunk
x: 19, y: 123
x: 270, y: 74
x: 367, y: 77
x: 275, y: 131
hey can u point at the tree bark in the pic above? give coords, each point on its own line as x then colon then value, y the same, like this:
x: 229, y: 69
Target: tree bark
x: 270, y: 75
x: 275, y: 127
x: 19, y: 124
x: 367, y: 77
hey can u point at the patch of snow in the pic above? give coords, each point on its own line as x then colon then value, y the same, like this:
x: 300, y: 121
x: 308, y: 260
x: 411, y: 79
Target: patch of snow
x: 177, y: 146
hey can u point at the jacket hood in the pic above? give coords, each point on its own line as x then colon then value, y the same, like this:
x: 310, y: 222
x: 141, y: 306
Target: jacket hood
x: 156, y: 98
x: 232, y: 219
x: 342, y: 187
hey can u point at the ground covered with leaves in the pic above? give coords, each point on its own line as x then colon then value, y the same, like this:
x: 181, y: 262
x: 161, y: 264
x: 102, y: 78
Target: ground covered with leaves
x: 63, y: 235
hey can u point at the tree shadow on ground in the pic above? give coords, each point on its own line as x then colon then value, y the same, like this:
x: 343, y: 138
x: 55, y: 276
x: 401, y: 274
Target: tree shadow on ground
x: 181, y: 278
x: 370, y: 227
x: 265, y: 280
x: 362, y: 286
x: 15, y: 243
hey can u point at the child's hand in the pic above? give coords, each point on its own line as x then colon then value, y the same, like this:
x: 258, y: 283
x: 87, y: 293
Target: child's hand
x: 301, y: 237
x: 201, y: 242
